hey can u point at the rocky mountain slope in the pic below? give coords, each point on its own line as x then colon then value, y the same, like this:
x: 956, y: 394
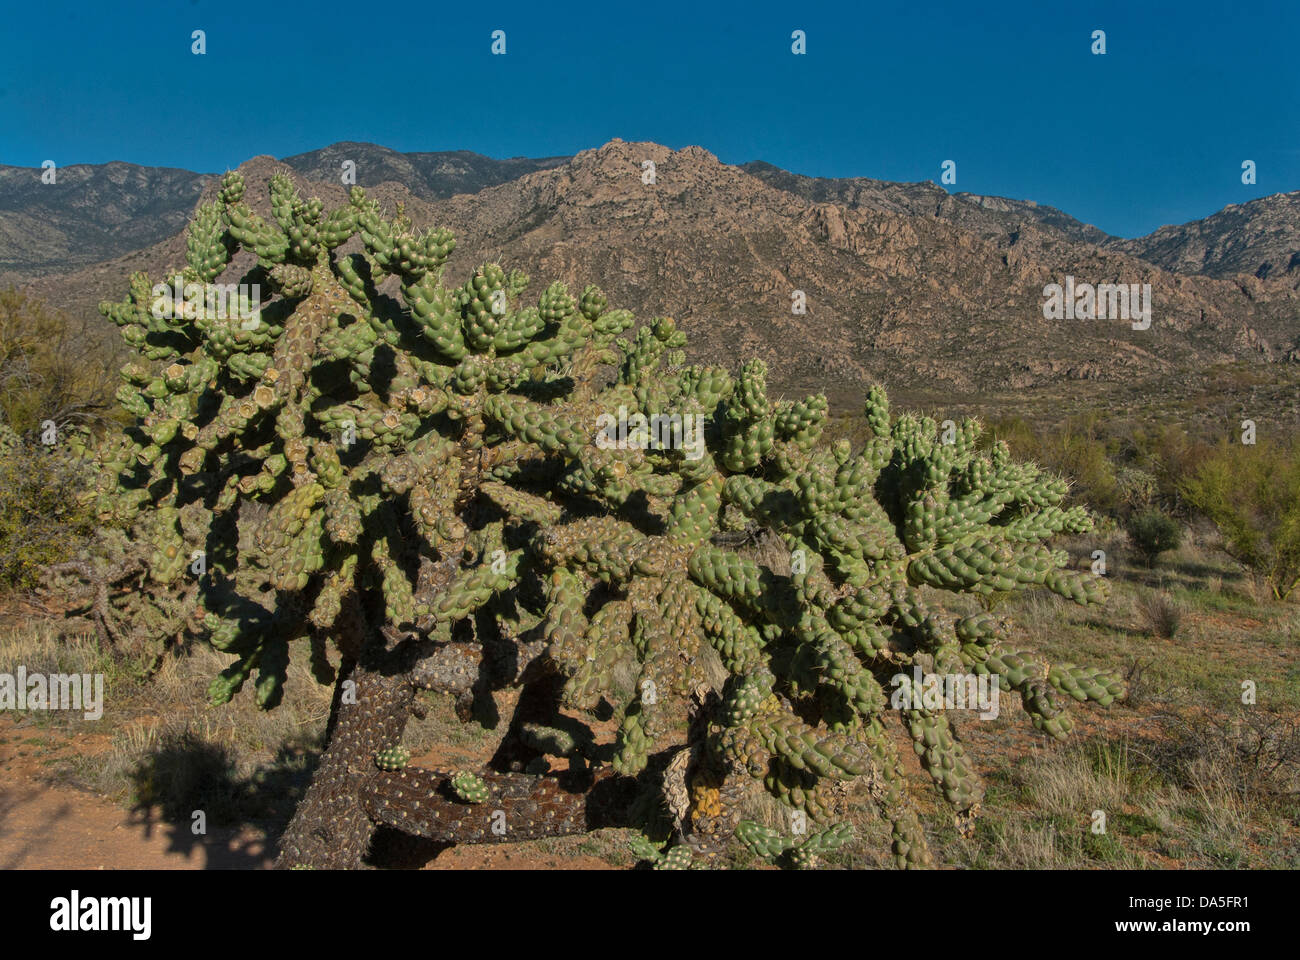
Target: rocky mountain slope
x: 1260, y: 238
x: 988, y: 216
x: 890, y: 294
x: 89, y: 213
x: 902, y: 283
x: 93, y: 213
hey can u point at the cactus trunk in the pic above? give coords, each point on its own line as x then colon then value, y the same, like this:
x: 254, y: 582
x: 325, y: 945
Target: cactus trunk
x: 517, y: 807
x: 330, y: 829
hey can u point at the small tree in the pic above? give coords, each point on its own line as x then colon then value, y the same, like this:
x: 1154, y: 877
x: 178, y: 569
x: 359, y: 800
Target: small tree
x: 1152, y: 533
x: 1252, y: 494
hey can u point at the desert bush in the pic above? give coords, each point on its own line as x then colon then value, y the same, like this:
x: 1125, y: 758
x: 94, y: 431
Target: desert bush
x: 1137, y: 488
x: 52, y: 367
x: 1152, y: 533
x: 1248, y: 751
x: 44, y: 519
x: 1252, y: 494
x: 1154, y: 459
x: 1137, y: 682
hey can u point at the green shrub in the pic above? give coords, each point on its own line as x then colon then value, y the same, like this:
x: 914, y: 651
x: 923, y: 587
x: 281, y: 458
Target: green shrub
x: 42, y: 518
x: 52, y: 367
x: 1170, y: 452
x: 1152, y: 533
x: 1252, y: 494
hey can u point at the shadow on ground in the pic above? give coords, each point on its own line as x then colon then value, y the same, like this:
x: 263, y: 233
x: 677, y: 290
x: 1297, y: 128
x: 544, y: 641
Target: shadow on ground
x: 188, y: 782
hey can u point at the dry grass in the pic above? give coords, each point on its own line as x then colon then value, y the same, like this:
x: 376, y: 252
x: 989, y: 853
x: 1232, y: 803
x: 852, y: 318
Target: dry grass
x: 1163, y: 615
x: 38, y: 647
x: 166, y: 747
x: 1219, y: 794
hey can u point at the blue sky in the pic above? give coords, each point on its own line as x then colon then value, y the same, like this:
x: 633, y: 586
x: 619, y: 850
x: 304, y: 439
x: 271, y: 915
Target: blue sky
x: 1154, y: 132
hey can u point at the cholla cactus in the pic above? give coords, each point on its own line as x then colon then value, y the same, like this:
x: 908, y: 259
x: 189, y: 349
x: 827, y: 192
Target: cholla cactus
x: 678, y: 857
x: 470, y: 788
x: 339, y: 464
x: 394, y: 758
x: 810, y: 652
x: 449, y: 493
x: 109, y: 587
x: 771, y: 845
x: 9, y: 440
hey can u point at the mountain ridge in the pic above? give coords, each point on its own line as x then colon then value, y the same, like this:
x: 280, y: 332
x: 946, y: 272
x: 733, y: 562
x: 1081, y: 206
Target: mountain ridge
x: 1260, y: 238
x: 951, y: 298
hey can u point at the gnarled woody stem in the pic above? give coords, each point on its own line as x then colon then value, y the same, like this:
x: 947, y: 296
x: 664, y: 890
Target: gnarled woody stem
x: 349, y: 798
x: 519, y: 806
x: 331, y: 829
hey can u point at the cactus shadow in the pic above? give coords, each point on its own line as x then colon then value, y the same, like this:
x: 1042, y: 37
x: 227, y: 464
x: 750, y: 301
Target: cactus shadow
x: 391, y: 849
x: 243, y: 812
x: 383, y: 368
